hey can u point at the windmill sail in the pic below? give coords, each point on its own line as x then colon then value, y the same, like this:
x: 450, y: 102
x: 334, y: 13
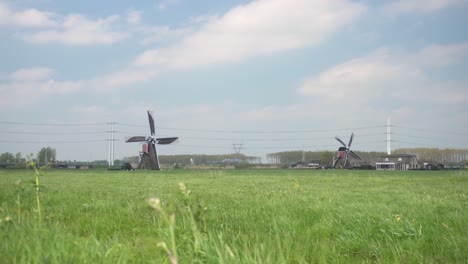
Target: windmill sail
x: 345, y: 152
x: 165, y: 141
x: 137, y: 139
x: 149, y: 158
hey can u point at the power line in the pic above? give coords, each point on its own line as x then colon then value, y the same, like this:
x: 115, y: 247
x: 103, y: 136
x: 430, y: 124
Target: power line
x: 274, y: 147
x: 52, y: 142
x: 271, y: 131
x: 267, y: 139
x: 420, y: 144
x: 436, y: 131
x: 52, y: 133
x: 263, y: 135
x: 414, y: 136
x: 51, y: 124
x: 257, y: 131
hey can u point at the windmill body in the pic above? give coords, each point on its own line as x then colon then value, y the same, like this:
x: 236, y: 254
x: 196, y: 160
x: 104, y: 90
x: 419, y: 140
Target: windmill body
x: 149, y: 157
x: 341, y: 152
x: 344, y: 152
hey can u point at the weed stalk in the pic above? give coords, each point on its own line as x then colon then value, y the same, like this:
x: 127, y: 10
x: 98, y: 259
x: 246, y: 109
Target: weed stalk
x: 37, y: 185
x: 20, y: 188
x: 155, y: 203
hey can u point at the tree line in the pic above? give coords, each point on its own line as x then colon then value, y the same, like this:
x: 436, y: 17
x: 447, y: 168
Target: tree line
x: 435, y: 155
x: 432, y: 155
x: 197, y: 159
x: 324, y: 157
x: 45, y: 155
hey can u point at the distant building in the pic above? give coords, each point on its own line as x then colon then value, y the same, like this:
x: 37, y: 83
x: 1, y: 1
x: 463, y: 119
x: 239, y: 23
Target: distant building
x: 397, y: 162
x: 313, y: 164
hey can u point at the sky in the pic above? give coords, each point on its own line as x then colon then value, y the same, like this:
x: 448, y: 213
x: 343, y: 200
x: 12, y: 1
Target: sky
x: 267, y: 75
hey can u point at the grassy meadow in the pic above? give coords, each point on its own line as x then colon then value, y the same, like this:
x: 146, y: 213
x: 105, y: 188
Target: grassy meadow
x: 234, y: 216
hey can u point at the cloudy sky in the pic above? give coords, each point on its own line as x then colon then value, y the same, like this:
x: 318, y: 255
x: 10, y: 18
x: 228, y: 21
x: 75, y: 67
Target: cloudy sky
x: 271, y: 75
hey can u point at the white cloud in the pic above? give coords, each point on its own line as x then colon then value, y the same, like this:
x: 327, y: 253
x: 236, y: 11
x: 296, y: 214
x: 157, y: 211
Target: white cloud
x: 451, y: 91
x: 127, y: 77
x: 163, y: 4
x: 260, y: 27
x: 25, y: 18
x: 89, y: 110
x: 73, y: 29
x: 162, y: 34
x: 31, y: 74
x: 243, y: 32
x: 363, y: 78
x: 420, y: 6
x: 134, y: 17
x: 32, y: 85
x: 441, y: 55
x: 79, y: 30
x: 389, y: 76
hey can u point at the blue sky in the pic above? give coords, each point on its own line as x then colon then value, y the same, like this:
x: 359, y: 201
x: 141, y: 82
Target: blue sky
x: 271, y: 74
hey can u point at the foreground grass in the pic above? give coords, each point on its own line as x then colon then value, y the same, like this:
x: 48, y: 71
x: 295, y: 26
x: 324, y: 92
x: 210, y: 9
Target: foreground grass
x: 278, y: 216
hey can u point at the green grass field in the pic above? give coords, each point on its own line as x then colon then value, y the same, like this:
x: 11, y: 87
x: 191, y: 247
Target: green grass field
x: 235, y: 216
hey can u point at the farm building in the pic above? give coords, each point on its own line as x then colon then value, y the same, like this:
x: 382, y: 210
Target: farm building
x: 397, y: 162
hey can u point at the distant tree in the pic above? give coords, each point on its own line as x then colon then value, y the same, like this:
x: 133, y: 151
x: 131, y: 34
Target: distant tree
x: 99, y: 162
x: 46, y: 155
x: 132, y: 159
x: 7, y: 157
x: 326, y: 158
x: 18, y: 158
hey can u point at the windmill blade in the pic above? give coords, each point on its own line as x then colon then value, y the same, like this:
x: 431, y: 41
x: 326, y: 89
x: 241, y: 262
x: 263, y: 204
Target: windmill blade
x: 341, y: 141
x: 350, y: 140
x: 336, y: 161
x: 345, y: 159
x: 136, y: 139
x: 354, y: 155
x: 154, y: 157
x: 151, y: 123
x: 166, y: 141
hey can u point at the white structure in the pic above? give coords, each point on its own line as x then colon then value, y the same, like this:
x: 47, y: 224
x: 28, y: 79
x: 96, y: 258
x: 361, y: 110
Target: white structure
x: 389, y: 139
x: 397, y: 162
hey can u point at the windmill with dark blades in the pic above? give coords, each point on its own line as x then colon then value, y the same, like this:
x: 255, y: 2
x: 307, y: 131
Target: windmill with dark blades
x: 149, y: 157
x: 345, y: 151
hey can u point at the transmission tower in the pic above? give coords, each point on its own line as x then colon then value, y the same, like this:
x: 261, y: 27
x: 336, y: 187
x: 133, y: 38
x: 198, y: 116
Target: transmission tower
x: 237, y: 148
x: 111, y: 143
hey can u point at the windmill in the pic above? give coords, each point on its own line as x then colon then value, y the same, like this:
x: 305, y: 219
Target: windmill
x: 149, y: 157
x: 345, y: 151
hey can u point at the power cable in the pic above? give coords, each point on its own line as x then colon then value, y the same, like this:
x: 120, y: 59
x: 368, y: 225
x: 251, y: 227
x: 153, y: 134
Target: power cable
x: 436, y: 131
x: 51, y: 124
x: 52, y: 133
x: 257, y: 131
x: 419, y: 144
x: 52, y: 142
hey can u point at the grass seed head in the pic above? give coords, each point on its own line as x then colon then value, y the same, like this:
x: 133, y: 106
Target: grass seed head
x: 155, y: 203
x: 162, y: 245
x: 172, y: 219
x: 182, y: 187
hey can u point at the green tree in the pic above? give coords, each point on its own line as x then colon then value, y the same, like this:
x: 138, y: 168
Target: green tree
x: 7, y: 157
x: 19, y: 159
x: 326, y: 158
x: 46, y: 155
